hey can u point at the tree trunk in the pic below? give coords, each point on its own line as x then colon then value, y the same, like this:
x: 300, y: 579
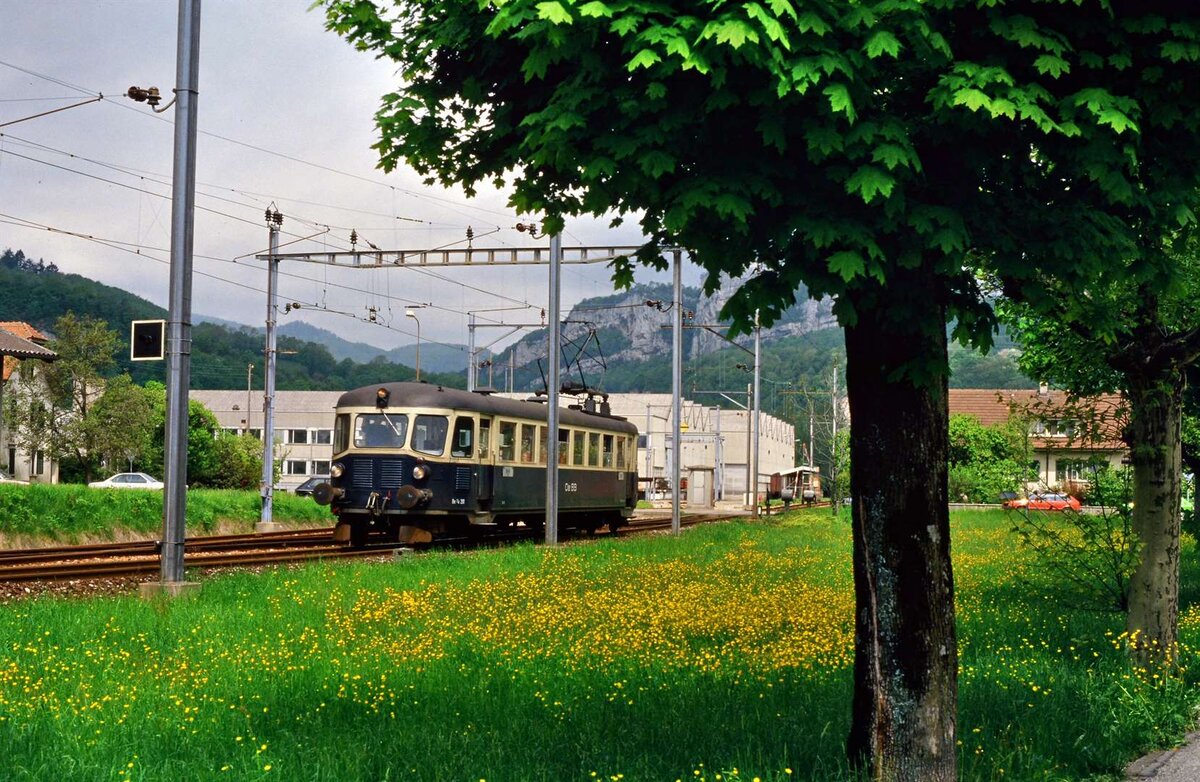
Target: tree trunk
x: 1154, y: 440
x: 905, y: 655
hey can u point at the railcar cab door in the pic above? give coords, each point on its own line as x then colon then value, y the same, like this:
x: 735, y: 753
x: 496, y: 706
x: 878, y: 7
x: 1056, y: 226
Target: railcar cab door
x: 462, y: 454
x: 483, y: 482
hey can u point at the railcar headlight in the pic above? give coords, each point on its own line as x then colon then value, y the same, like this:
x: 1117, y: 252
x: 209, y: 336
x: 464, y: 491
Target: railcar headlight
x: 336, y: 469
x: 420, y: 472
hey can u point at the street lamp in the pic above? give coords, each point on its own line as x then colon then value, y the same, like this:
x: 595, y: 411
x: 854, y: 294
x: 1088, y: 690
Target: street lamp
x: 413, y: 315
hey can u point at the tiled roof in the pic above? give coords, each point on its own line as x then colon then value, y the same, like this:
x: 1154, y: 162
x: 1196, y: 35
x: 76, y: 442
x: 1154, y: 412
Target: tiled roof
x: 22, y: 330
x: 13, y: 346
x: 991, y: 406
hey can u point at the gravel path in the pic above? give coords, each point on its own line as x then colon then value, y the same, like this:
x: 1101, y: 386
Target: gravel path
x: 1181, y: 764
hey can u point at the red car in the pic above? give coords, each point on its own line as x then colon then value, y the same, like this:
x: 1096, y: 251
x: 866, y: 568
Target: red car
x: 1044, y: 501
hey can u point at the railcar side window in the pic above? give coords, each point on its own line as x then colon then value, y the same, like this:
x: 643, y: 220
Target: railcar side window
x: 508, y: 441
x: 341, y: 433
x: 621, y: 453
x: 593, y: 449
x: 564, y: 446
x: 464, y: 435
x: 608, y: 450
x: 527, y: 434
x: 543, y: 446
x: 429, y: 434
x: 580, y: 438
x: 380, y: 430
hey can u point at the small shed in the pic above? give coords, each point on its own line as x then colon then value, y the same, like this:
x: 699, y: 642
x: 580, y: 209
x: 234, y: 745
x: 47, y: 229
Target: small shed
x: 701, y: 486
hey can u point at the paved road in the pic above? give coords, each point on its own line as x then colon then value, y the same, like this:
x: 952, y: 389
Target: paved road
x: 1173, y: 765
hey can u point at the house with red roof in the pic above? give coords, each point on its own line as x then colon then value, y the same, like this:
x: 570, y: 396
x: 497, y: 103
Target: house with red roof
x: 21, y: 348
x: 1065, y: 437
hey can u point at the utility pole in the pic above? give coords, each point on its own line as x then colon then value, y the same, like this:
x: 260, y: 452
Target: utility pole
x: 249, y: 380
x: 749, y: 445
x: 179, y: 318
x: 718, y: 458
x: 812, y: 443
x: 757, y: 404
x: 471, y: 368
x: 833, y: 467
x: 649, y: 459
x: 676, y: 389
x: 267, y: 487
x: 553, y: 384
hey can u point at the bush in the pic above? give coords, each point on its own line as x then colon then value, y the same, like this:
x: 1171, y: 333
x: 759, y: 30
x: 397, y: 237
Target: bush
x: 1091, y: 556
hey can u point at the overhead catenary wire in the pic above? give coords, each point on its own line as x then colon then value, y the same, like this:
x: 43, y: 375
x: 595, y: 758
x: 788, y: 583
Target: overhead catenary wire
x: 163, y: 179
x: 449, y: 203
x: 247, y: 220
x: 143, y: 252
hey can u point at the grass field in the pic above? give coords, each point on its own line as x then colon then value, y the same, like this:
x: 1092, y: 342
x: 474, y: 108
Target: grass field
x: 723, y: 654
x: 73, y: 513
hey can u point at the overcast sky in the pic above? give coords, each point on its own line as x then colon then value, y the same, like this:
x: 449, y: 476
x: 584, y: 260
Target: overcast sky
x: 270, y: 77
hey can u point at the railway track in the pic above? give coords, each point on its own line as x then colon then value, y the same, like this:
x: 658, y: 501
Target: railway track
x: 105, y: 560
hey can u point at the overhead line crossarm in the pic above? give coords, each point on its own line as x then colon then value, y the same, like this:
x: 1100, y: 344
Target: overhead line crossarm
x: 474, y: 256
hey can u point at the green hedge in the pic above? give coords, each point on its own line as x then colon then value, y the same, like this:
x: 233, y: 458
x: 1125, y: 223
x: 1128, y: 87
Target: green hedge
x: 70, y: 511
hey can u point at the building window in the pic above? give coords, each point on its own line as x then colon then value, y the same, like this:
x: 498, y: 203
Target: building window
x: 295, y: 467
x: 1072, y: 470
x: 39, y: 463
x: 643, y: 441
x: 320, y: 468
x: 297, y: 436
x: 255, y: 433
x: 12, y: 460
x: 322, y: 436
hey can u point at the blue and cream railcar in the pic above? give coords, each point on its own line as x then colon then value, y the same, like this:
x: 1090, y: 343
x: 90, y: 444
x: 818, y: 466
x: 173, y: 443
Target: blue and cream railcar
x: 413, y: 460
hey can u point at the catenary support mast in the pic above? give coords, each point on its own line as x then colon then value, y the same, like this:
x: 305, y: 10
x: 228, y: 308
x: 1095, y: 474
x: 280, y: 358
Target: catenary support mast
x: 179, y: 318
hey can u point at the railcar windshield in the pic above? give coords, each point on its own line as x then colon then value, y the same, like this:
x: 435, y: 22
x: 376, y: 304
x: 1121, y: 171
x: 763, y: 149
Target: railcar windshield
x: 429, y: 434
x: 380, y: 430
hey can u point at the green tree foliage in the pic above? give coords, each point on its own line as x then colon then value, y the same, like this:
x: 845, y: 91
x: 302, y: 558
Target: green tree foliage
x: 874, y: 151
x: 86, y: 348
x: 985, y: 460
x: 18, y: 261
x: 121, y: 423
x: 203, y: 457
x: 240, y: 462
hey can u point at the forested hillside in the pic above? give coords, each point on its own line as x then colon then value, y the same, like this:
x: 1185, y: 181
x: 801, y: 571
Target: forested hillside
x: 38, y: 293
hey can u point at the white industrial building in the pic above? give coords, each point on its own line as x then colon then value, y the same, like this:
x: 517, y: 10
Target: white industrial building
x: 303, y: 426
x: 716, y: 442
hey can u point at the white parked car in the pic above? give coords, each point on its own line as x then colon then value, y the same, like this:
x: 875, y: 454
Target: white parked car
x: 6, y: 478
x: 128, y: 480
